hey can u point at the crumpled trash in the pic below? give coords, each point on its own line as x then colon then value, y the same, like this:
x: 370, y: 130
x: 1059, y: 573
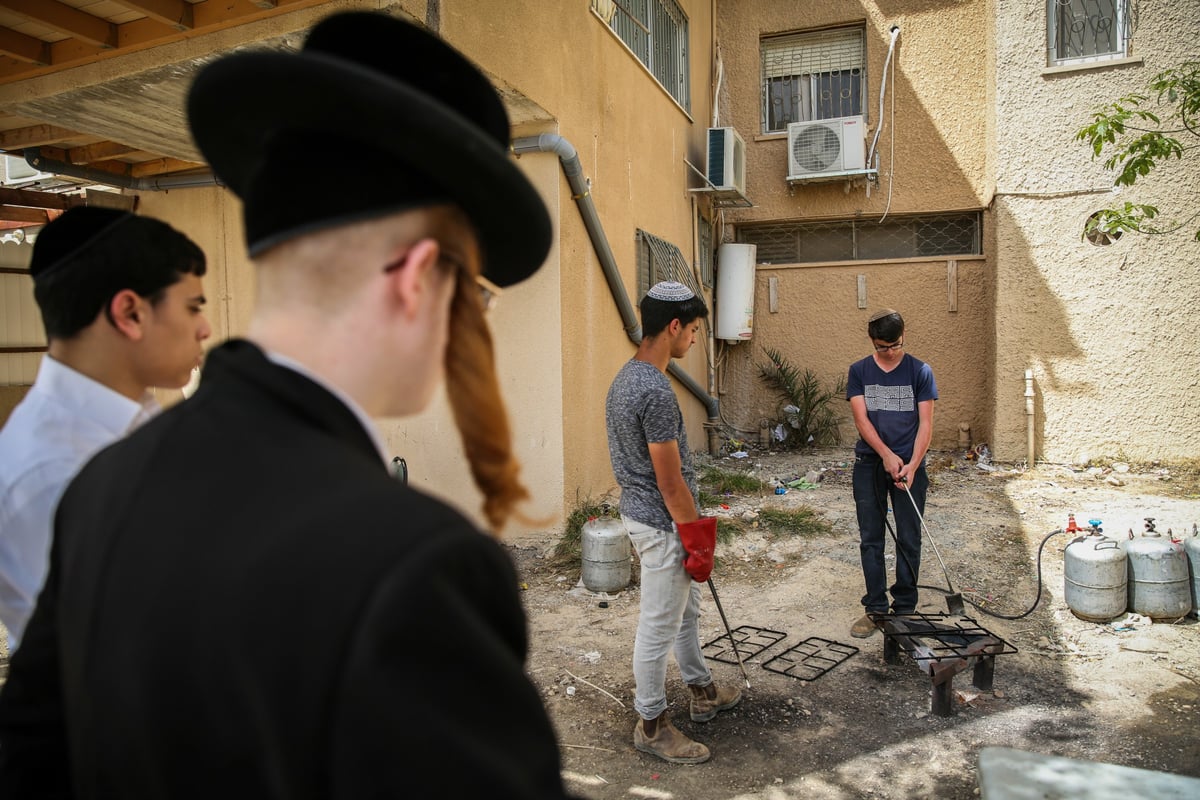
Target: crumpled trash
x: 590, y: 657
x: 1129, y: 622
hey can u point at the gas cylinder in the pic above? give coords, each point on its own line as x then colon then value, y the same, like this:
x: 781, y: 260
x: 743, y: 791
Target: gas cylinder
x: 1159, y: 586
x: 1095, y: 574
x: 606, y: 554
x: 1191, y: 548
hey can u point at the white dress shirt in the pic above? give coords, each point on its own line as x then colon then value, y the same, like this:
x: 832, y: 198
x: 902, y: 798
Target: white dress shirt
x: 63, y: 421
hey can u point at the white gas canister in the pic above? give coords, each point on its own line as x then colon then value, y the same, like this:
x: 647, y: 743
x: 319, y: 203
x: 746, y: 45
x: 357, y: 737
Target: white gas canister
x: 1159, y: 585
x: 606, y: 555
x: 1191, y: 548
x: 1095, y: 577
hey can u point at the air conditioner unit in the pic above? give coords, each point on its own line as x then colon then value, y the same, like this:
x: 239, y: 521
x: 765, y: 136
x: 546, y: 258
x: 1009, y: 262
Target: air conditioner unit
x: 826, y: 147
x: 726, y: 168
x: 18, y: 170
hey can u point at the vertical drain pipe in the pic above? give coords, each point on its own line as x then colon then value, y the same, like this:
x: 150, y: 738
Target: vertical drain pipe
x: 581, y: 194
x: 1029, y: 443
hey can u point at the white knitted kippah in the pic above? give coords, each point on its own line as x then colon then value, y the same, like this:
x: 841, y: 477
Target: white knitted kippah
x: 672, y: 291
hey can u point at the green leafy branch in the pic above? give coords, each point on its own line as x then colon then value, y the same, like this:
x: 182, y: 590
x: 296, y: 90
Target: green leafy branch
x: 1138, y: 140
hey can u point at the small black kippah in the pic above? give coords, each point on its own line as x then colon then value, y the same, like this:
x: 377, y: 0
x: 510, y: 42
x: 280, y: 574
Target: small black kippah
x: 65, y: 237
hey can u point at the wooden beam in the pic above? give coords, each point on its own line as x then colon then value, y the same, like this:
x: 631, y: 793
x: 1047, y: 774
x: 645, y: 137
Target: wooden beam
x: 111, y: 167
x: 159, y: 166
x: 34, y: 216
x: 99, y: 151
x: 66, y: 20
x: 175, y: 13
x: 24, y: 48
x: 34, y: 136
x: 32, y: 199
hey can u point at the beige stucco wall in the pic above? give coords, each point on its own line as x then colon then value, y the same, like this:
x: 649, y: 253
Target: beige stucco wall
x: 631, y: 139
x: 559, y: 337
x: 934, y: 152
x: 1106, y: 330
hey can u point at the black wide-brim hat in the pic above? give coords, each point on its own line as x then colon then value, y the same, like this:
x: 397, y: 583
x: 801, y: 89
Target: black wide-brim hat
x: 373, y: 116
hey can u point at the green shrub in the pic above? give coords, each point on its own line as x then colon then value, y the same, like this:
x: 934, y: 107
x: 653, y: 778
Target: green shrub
x: 720, y: 482
x: 807, y: 405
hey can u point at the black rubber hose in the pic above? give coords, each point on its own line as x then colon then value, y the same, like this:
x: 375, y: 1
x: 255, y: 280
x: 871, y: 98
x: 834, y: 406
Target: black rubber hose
x: 1037, y: 598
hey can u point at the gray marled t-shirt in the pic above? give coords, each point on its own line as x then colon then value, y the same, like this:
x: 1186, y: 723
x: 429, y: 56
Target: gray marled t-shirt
x: 641, y: 408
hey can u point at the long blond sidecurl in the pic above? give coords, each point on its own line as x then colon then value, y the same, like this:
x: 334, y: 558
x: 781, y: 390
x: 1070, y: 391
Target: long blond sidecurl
x: 479, y: 412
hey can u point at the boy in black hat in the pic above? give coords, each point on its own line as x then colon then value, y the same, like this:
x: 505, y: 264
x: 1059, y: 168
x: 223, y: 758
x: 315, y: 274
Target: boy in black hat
x: 242, y: 602
x: 121, y: 300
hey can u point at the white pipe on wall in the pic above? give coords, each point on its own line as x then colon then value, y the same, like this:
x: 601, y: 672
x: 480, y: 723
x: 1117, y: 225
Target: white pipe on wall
x: 1029, y: 418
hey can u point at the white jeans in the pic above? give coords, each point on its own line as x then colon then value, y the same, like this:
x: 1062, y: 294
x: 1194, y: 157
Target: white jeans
x: 669, y: 615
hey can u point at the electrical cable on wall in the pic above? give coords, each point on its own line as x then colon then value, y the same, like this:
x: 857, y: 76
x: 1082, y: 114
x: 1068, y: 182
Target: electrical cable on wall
x: 891, y: 151
x: 892, y: 135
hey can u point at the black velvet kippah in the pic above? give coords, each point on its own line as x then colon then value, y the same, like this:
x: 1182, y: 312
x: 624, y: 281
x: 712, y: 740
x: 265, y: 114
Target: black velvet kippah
x: 71, y: 234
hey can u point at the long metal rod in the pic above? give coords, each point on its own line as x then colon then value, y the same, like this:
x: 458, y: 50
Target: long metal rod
x: 953, y: 599
x: 728, y: 631
x: 912, y: 500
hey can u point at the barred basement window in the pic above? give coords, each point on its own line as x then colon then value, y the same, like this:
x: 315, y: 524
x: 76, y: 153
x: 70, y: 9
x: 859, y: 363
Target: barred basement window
x: 1088, y: 30
x: 657, y: 33
x: 659, y: 260
x: 934, y: 236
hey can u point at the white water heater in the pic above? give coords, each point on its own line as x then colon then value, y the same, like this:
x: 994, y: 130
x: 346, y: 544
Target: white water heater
x: 735, y: 291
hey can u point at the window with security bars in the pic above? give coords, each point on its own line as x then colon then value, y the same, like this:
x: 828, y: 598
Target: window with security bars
x: 657, y: 33
x: 945, y: 235
x: 659, y: 260
x: 809, y: 76
x: 1088, y: 30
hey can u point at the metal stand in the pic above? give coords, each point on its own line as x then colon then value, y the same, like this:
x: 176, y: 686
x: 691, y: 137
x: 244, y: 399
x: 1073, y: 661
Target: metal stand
x: 943, y: 645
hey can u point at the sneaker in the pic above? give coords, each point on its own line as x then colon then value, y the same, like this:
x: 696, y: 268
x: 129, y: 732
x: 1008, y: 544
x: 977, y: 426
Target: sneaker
x: 864, y: 628
x: 668, y: 743
x: 708, y: 700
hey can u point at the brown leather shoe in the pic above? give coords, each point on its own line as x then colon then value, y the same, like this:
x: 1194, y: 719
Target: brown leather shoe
x: 864, y: 627
x: 708, y: 700
x: 668, y: 743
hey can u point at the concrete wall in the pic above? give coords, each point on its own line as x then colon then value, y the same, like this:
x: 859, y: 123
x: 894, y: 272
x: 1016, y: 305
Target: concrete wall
x: 935, y: 157
x: 1106, y: 330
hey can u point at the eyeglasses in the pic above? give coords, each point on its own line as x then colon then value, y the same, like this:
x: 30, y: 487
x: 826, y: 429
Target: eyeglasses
x: 886, y: 348
x: 489, y: 293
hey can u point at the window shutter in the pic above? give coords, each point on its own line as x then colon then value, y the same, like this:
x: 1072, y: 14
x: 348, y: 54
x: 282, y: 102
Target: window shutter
x: 809, y: 53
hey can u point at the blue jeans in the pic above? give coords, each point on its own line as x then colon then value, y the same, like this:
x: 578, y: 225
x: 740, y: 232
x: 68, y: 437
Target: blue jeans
x: 873, y: 490
x: 668, y: 618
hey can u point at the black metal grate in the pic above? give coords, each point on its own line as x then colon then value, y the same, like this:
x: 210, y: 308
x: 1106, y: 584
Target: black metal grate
x: 938, y: 637
x: 810, y: 659
x: 750, y: 642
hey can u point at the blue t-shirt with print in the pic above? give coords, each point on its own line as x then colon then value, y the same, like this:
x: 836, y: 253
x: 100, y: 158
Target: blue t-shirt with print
x: 892, y: 399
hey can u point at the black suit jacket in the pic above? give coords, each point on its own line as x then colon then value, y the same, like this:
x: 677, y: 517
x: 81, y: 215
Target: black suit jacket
x: 242, y: 603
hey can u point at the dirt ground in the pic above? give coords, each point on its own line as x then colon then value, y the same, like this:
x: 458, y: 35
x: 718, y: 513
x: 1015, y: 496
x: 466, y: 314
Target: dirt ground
x: 1124, y: 692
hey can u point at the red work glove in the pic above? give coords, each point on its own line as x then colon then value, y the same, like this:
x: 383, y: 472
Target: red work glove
x: 700, y: 540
